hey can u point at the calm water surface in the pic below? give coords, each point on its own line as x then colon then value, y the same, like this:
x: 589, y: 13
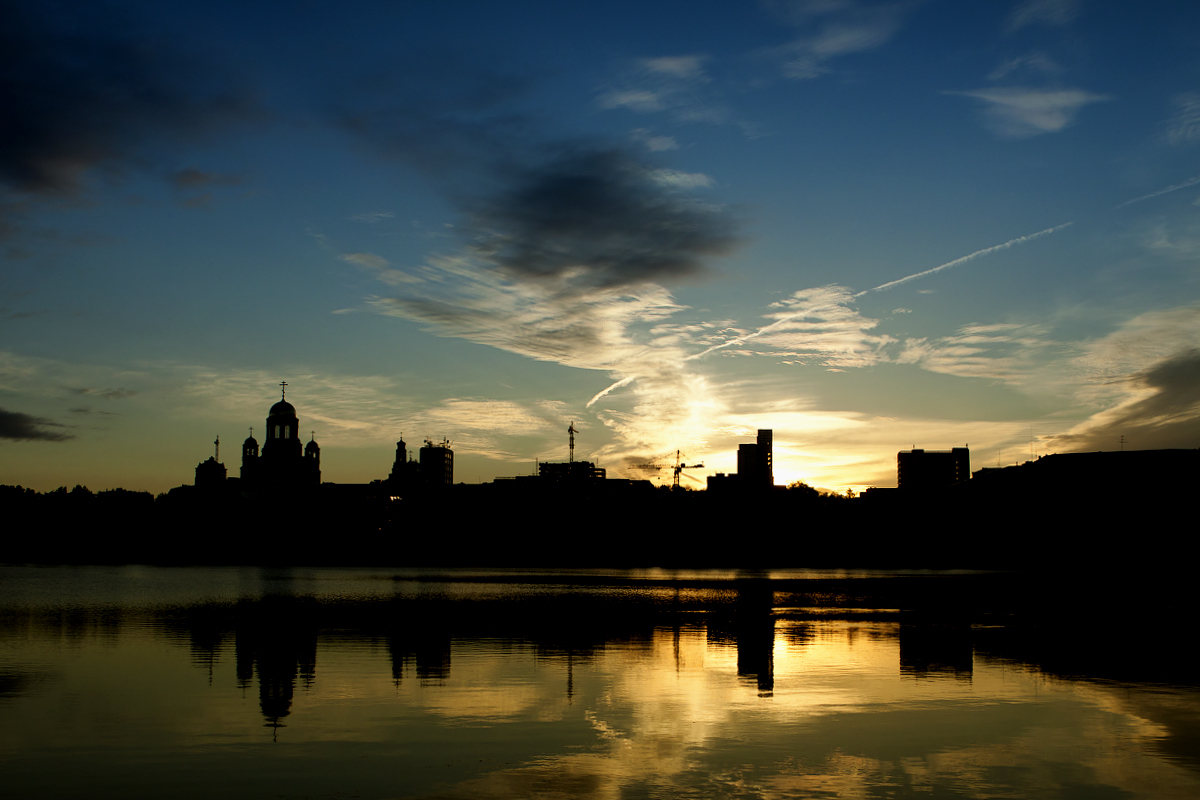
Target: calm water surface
x: 139, y: 682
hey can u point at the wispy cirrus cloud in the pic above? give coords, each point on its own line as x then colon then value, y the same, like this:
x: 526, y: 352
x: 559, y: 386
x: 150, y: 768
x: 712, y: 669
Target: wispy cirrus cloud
x: 547, y: 320
x: 1021, y: 112
x: 833, y: 28
x: 655, y: 144
x: 1161, y: 409
x: 568, y: 264
x: 1145, y: 339
x: 1183, y: 127
x: 1143, y: 379
x: 820, y: 327
x: 107, y: 394
x: 1006, y: 352
x: 367, y: 411
x: 1042, y: 12
x: 1035, y: 63
x: 675, y: 85
x: 380, y: 267
x: 373, y: 217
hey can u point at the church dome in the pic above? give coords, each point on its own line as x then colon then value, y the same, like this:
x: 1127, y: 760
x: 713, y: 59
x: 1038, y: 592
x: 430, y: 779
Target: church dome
x: 283, y: 409
x: 250, y: 442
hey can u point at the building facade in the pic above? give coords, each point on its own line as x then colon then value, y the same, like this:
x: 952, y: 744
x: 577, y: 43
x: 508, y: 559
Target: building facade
x: 919, y: 470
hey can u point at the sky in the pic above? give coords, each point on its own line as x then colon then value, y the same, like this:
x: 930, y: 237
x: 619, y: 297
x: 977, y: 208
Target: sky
x: 867, y: 226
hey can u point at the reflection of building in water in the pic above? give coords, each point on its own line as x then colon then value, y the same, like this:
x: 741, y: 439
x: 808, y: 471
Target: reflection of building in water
x: 932, y: 469
x: 276, y: 639
x: 433, y: 659
x: 756, y: 467
x: 427, y: 650
x: 756, y: 652
x: 929, y: 651
x: 750, y: 628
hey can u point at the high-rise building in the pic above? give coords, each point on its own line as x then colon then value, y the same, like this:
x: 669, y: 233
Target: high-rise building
x: 437, y: 463
x: 755, y: 466
x: 932, y: 469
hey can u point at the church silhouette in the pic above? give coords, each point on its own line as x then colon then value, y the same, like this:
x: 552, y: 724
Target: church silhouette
x: 283, y: 463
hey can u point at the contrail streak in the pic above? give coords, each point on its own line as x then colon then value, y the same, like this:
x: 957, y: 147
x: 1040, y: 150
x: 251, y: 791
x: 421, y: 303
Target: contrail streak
x: 985, y: 251
x: 616, y: 385
x: 1175, y: 188
x: 747, y: 337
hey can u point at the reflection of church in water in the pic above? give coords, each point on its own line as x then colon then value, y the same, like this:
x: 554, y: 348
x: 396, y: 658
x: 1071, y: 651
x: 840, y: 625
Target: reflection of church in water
x: 284, y: 462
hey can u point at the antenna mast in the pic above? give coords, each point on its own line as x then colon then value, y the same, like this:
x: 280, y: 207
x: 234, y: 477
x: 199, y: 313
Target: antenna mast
x: 571, y: 431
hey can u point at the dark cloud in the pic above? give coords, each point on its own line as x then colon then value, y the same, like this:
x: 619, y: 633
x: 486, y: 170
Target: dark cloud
x: 78, y: 94
x: 23, y: 427
x: 601, y: 216
x: 536, y: 205
x: 1169, y: 418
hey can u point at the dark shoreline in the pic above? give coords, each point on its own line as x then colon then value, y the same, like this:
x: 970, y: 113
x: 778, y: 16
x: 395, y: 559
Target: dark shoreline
x: 1096, y: 530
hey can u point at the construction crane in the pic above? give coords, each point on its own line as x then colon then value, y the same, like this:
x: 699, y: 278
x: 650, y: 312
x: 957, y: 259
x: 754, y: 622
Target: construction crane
x: 677, y: 469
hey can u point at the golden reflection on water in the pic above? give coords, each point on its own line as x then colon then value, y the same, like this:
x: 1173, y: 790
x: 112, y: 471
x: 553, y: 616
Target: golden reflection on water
x: 769, y: 705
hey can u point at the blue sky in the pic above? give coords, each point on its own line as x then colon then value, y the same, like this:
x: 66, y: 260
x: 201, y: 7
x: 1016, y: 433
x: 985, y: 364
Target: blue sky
x: 668, y: 223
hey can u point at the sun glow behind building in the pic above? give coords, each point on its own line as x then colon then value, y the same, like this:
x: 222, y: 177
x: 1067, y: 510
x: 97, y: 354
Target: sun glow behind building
x: 477, y: 224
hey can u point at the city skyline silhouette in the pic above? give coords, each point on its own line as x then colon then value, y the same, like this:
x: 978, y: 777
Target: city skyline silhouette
x: 866, y: 227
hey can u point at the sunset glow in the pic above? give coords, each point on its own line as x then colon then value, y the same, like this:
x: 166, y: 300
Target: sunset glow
x: 864, y: 226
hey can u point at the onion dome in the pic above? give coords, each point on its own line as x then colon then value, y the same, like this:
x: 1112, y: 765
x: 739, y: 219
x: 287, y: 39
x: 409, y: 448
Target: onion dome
x: 283, y: 409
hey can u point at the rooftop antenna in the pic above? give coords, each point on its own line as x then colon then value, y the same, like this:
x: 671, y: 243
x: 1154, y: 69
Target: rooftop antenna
x: 217, y: 442
x: 571, y: 431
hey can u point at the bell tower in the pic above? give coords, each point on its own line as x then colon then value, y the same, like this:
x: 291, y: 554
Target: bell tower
x: 283, y: 431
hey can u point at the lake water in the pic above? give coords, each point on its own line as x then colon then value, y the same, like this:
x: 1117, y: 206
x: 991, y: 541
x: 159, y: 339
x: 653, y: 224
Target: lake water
x: 145, y: 682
